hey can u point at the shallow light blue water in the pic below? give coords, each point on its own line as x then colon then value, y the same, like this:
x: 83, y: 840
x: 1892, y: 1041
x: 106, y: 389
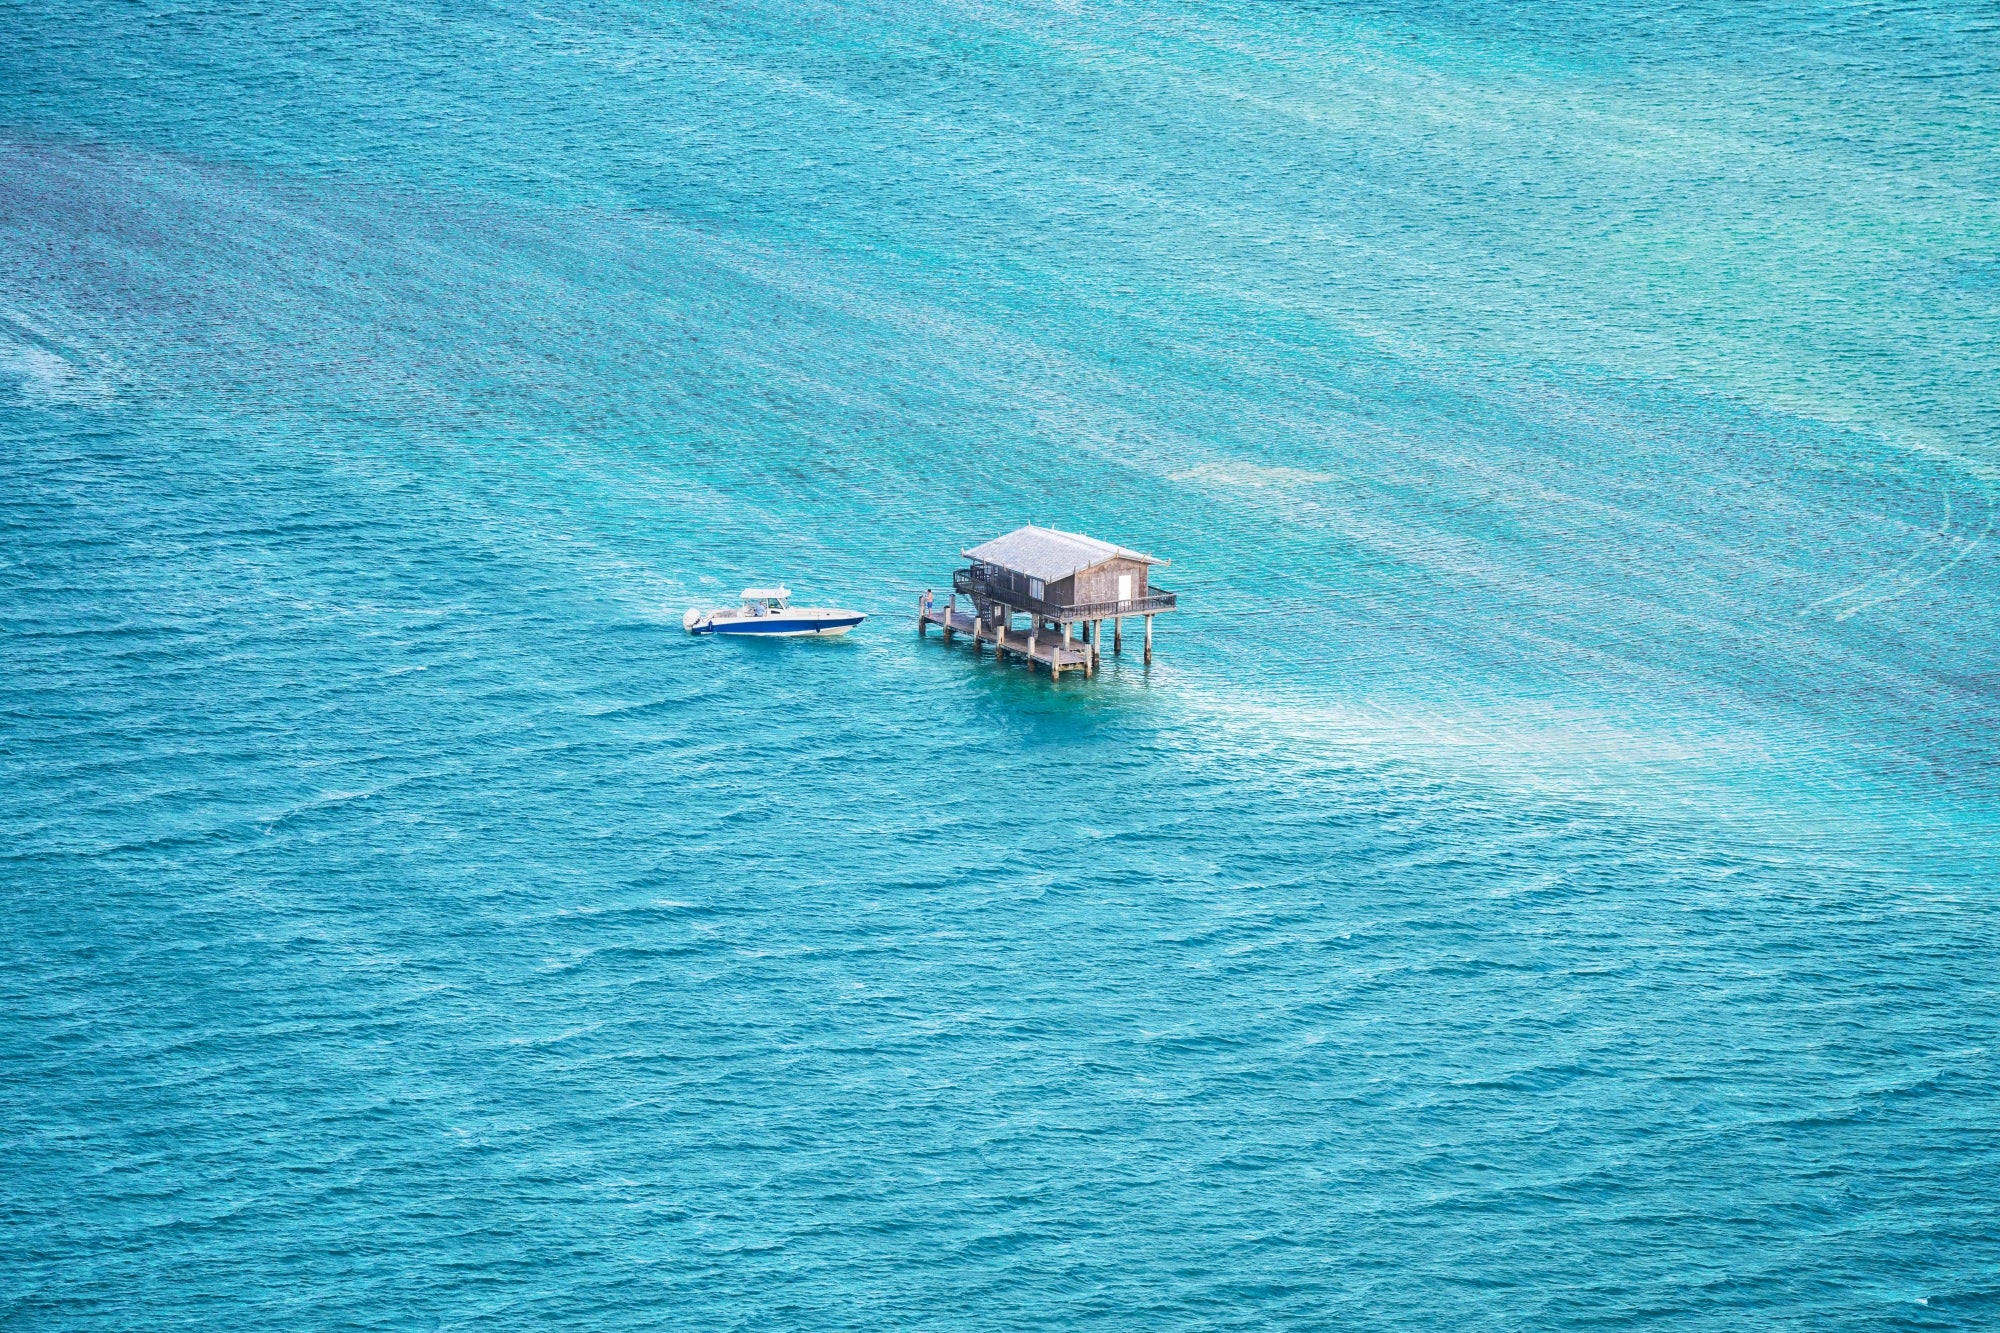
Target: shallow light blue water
x: 1546, y: 879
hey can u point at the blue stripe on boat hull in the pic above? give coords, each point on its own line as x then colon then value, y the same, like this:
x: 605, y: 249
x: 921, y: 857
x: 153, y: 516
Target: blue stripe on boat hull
x: 795, y: 629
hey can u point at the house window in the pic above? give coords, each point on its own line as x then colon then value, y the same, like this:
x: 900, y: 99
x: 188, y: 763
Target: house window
x: 1124, y: 587
x: 1035, y: 589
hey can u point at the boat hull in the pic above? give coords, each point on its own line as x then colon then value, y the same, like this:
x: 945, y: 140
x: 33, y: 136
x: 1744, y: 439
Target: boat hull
x: 827, y: 626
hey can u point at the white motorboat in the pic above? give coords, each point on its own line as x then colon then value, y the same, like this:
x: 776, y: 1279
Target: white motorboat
x: 770, y: 611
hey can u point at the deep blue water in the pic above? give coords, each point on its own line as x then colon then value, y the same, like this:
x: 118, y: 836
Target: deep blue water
x: 1547, y: 878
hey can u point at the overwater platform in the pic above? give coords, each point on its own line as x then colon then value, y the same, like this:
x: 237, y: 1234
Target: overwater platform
x: 1048, y: 649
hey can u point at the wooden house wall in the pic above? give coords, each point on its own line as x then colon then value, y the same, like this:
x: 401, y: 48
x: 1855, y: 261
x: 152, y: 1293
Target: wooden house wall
x: 1097, y: 584
x: 1100, y: 582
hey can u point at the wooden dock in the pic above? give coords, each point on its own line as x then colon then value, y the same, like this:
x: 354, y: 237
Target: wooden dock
x: 1051, y: 650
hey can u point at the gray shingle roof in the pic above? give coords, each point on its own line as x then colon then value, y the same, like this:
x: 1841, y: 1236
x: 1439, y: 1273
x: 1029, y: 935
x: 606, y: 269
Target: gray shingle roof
x: 1048, y: 554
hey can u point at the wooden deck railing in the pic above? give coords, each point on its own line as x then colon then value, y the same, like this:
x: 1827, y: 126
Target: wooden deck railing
x: 974, y: 584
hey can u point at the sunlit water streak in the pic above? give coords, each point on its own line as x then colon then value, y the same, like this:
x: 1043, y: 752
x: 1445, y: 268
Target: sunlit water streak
x: 1546, y: 879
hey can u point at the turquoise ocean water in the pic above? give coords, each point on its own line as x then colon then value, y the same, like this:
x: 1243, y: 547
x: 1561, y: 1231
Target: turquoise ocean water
x: 1547, y: 878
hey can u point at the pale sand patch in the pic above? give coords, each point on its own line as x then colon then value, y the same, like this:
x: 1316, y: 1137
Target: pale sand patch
x: 1253, y: 475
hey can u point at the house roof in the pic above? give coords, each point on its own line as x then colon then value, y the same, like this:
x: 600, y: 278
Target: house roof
x: 1049, y: 554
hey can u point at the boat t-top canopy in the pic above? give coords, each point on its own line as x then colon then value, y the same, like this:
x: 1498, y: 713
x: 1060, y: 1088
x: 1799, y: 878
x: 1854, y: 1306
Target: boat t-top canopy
x: 767, y: 594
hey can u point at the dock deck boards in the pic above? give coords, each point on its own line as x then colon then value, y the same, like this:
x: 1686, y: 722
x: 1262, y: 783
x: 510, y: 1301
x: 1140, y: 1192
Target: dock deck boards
x: 1048, y: 649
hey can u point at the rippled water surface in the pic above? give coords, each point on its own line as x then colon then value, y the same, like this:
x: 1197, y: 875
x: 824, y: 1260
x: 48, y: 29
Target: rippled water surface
x: 1546, y: 878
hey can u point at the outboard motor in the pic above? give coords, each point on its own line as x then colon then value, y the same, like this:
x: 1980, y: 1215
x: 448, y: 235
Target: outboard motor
x: 692, y: 619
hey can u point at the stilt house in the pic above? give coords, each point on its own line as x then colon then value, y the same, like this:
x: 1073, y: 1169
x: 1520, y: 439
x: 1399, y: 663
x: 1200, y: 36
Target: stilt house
x: 1066, y: 584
